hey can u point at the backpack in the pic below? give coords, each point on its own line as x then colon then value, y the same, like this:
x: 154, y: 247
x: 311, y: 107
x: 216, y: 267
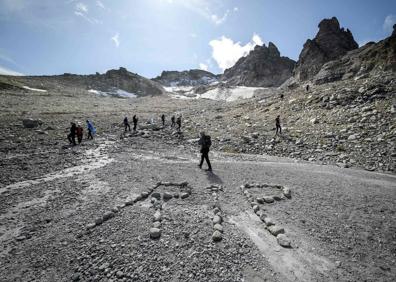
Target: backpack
x: 207, y: 142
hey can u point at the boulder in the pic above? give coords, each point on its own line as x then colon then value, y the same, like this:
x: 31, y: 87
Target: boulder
x: 31, y: 123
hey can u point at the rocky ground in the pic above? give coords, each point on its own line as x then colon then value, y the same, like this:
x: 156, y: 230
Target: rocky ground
x: 135, y: 207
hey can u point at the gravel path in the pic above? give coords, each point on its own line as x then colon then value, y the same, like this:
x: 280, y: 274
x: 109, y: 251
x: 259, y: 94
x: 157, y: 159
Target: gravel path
x: 92, y: 222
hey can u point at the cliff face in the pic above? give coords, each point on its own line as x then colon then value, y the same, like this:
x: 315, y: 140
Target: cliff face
x: 263, y: 67
x: 330, y: 43
x: 372, y: 59
x: 186, y: 78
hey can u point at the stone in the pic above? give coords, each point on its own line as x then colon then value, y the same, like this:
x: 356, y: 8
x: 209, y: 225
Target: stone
x: 217, y: 236
x: 283, y: 240
x: 167, y: 196
x: 277, y: 198
x: 115, y: 209
x: 155, y: 233
x: 157, y: 224
x: 286, y: 191
x: 217, y: 219
x: 108, y: 215
x: 263, y: 216
x: 104, y: 266
x: 144, y: 194
x: 184, y: 195
x: 276, y: 230
x: 91, y: 226
x: 268, y: 221
x: 256, y: 208
x: 218, y: 227
x: 268, y: 199
x: 99, y: 221
x: 176, y: 195
x: 129, y: 202
x: 138, y: 198
x: 31, y: 123
x: 157, y: 216
x: 260, y: 200
x: 216, y: 210
x: 76, y: 277
x: 156, y: 195
x: 119, y: 274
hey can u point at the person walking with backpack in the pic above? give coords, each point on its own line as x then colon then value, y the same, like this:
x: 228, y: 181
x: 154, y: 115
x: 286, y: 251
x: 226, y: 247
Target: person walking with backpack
x: 178, y: 122
x: 126, y: 124
x: 91, y: 130
x: 163, y: 120
x: 72, y: 135
x: 135, y: 121
x: 173, y: 121
x: 205, y: 142
x: 278, y: 125
x: 79, y: 132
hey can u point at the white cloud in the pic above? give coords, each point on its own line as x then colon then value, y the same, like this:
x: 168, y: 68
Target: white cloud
x: 389, y: 21
x: 100, y: 4
x: 217, y: 20
x: 203, y: 66
x: 6, y: 71
x: 236, y: 9
x: 226, y: 52
x: 204, y: 8
x: 82, y: 8
x: 116, y: 39
x: 193, y: 35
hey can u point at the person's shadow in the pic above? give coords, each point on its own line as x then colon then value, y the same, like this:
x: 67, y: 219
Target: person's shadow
x: 213, y: 178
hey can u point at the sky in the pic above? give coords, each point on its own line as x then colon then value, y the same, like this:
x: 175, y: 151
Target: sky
x: 148, y: 36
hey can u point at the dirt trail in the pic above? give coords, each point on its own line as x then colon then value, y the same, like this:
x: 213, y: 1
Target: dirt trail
x: 332, y: 219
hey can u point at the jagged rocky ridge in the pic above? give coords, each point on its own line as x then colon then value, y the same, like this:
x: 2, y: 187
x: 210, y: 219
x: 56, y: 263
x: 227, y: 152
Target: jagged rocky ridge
x: 330, y: 43
x: 262, y: 67
x: 113, y: 79
x: 186, y: 78
x: 370, y: 59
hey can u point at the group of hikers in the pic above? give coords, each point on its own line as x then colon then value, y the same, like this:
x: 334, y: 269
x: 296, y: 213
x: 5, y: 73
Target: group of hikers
x: 135, y: 120
x: 204, y: 141
x: 77, y: 131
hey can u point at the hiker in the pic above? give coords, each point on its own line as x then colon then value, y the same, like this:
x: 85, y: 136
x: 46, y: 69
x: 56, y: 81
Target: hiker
x: 205, y: 142
x: 135, y: 121
x: 91, y: 130
x: 72, y: 134
x: 173, y: 121
x: 79, y: 132
x: 163, y: 120
x: 178, y: 121
x: 278, y: 126
x: 126, y: 124
x: 307, y: 87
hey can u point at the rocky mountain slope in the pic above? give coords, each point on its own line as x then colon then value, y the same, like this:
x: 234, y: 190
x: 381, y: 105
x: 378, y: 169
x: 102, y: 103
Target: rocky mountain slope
x: 186, y: 78
x: 110, y: 81
x: 369, y: 60
x: 330, y: 43
x: 262, y: 67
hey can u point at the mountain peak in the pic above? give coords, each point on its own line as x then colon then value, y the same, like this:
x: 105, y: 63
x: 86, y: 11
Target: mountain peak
x: 330, y: 43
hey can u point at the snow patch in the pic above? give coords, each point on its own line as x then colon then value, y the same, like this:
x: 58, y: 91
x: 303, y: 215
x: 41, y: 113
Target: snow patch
x: 230, y: 94
x: 113, y: 93
x: 34, y: 89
